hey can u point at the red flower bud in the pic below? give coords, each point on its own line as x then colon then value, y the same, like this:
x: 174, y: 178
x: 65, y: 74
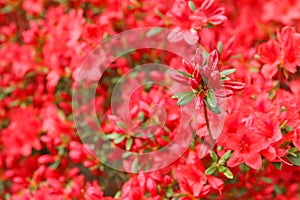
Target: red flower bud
x: 193, y: 83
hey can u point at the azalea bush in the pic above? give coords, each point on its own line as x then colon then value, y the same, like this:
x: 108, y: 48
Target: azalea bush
x: 245, y: 68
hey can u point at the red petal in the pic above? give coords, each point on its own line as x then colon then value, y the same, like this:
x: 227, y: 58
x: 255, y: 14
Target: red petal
x: 253, y: 160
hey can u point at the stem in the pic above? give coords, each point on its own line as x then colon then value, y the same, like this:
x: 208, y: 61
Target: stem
x: 207, y: 125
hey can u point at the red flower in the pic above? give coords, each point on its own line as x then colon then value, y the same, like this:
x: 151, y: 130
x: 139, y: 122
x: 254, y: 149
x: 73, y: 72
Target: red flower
x: 192, y: 180
x: 283, y: 52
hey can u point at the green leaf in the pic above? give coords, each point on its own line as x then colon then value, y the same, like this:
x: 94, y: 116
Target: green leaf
x: 211, y: 102
x: 121, y: 124
x: 192, y: 6
x: 129, y: 143
x: 227, y: 72
x: 226, y: 155
x: 151, y: 136
x: 277, y: 165
x: 127, y: 154
x: 244, y: 168
x: 220, y: 47
x: 214, y: 156
x: 184, y: 98
x: 141, y: 116
x: 153, y: 32
x: 184, y: 74
x: 113, y: 136
x: 222, y: 169
x: 165, y: 138
x: 169, y: 192
x: 282, y: 109
x: 118, y: 194
x: 119, y: 139
x: 267, y: 180
x: 135, y: 165
x: 210, y: 170
x: 295, y: 160
x: 228, y: 173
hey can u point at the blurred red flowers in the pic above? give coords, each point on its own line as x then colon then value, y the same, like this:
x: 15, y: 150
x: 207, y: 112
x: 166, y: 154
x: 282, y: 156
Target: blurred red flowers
x: 248, y: 49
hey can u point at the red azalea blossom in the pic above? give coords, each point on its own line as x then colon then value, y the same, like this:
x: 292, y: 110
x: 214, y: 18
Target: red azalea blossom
x: 283, y: 52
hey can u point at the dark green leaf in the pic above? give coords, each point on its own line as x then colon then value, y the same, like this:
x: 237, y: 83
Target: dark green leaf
x: 277, y: 165
x: 295, y: 160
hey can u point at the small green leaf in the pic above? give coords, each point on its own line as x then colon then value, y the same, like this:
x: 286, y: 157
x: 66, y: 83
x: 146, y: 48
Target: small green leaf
x: 129, y: 143
x: 277, y: 165
x: 121, y: 124
x: 135, y: 165
x: 184, y: 74
x: 169, y: 192
x: 288, y: 129
x: 228, y: 173
x: 113, y: 136
x: 127, y: 154
x: 118, y: 194
x: 153, y: 32
x: 244, y: 168
x: 214, y: 156
x: 210, y: 170
x: 211, y: 102
x: 184, y: 98
x: 165, y: 138
x: 151, y: 136
x: 227, y: 72
x: 192, y: 6
x: 141, y: 116
x: 295, y: 160
x: 226, y: 155
x: 266, y: 180
x: 282, y: 109
x: 119, y: 139
x: 220, y: 47
x: 222, y: 169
